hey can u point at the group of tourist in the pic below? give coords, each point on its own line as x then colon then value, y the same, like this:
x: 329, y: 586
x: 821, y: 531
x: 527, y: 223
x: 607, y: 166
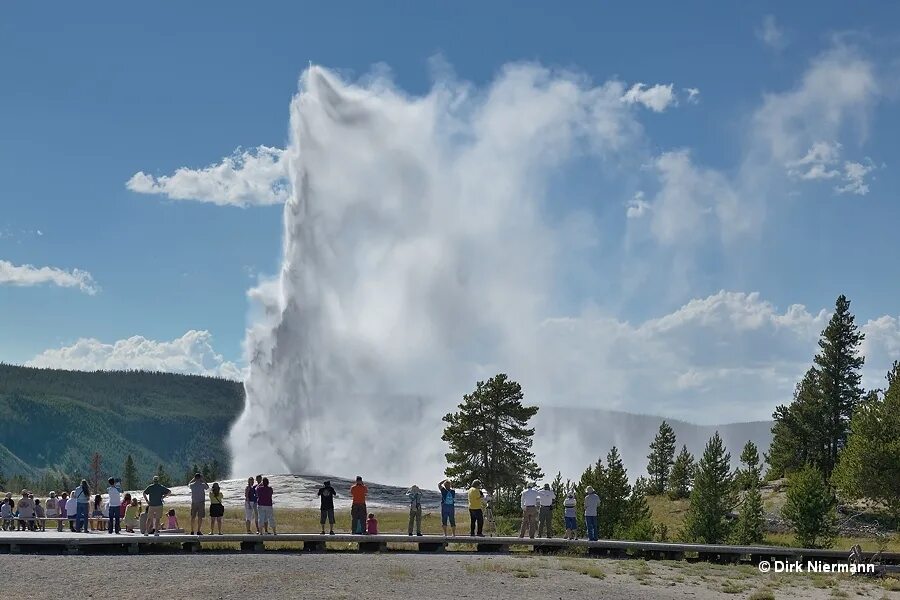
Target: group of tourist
x: 79, y: 508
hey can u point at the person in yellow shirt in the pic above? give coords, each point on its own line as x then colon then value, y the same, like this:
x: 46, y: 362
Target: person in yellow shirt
x: 476, y: 508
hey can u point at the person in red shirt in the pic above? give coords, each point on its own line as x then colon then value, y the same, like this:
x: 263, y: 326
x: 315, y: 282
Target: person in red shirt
x: 358, y: 492
x: 372, y: 525
x: 264, y: 506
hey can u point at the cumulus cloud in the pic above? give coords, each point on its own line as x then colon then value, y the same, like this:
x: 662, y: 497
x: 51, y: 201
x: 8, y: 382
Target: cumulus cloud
x: 28, y: 275
x: 770, y: 34
x: 657, y: 98
x: 854, y: 177
x: 192, y: 353
x: 247, y: 177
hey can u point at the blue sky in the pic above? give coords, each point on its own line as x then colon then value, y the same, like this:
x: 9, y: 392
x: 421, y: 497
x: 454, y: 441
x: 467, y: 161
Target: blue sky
x: 93, y: 95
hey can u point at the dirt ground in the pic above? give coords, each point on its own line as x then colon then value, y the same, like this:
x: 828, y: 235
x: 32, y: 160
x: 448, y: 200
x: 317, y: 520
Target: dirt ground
x: 220, y: 575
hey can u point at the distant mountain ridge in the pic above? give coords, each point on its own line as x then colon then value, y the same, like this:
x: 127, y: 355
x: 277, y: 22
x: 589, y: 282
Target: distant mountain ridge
x: 55, y: 419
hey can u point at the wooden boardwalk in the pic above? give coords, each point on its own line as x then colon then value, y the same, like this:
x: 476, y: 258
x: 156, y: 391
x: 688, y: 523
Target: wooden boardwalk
x: 102, y: 542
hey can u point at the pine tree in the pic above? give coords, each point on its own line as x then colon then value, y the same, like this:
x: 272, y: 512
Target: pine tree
x: 2, y: 481
x: 661, y: 458
x: 489, y: 437
x: 799, y: 431
x: 164, y: 477
x: 748, y: 476
x: 129, y: 474
x: 809, y: 509
x: 637, y: 523
x: 839, y: 363
x: 750, y: 526
x: 869, y: 466
x: 682, y: 476
x: 614, y: 491
x: 96, y: 470
x: 559, y: 491
x: 713, y: 496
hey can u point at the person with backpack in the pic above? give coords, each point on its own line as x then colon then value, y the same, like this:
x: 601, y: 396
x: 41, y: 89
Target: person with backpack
x: 82, y: 507
x: 358, y: 514
x: 448, y: 506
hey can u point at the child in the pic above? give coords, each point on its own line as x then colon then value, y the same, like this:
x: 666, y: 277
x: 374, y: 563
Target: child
x: 143, y: 518
x: 6, y: 514
x: 39, y: 513
x: 569, y: 515
x: 173, y: 520
x: 97, y: 513
x: 71, y: 509
x: 131, y: 515
x: 63, y: 514
x: 490, y: 523
x: 372, y: 525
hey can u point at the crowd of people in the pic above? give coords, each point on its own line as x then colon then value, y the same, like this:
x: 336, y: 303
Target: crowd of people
x: 84, y: 511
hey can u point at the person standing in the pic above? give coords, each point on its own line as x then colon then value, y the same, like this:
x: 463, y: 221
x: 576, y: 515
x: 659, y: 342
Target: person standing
x: 217, y: 509
x: 591, y: 502
x: 358, y: 514
x: 569, y: 515
x: 529, y: 501
x: 326, y: 496
x: 415, y: 509
x: 265, y: 506
x: 250, y: 513
x: 198, y: 502
x: 546, y: 499
x: 114, y: 506
x: 448, y: 506
x: 476, y: 509
x: 82, y: 505
x: 154, y: 495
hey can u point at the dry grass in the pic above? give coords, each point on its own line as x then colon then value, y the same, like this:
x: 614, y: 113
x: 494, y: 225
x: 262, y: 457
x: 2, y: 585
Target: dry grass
x: 585, y: 566
x: 762, y: 594
x: 520, y: 570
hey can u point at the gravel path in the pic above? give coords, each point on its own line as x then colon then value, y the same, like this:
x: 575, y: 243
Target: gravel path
x: 368, y: 576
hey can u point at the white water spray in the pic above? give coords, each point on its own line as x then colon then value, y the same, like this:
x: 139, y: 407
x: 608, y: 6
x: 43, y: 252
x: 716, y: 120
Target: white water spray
x: 416, y: 261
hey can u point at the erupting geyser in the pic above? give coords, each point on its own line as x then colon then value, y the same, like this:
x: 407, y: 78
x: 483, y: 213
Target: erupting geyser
x: 416, y: 261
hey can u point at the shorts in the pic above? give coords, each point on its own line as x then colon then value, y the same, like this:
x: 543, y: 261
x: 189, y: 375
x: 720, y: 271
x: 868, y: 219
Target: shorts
x: 448, y: 513
x: 198, y: 509
x: 571, y: 523
x: 154, y: 512
x: 216, y: 510
x: 266, y: 515
x: 326, y: 513
x: 249, y: 511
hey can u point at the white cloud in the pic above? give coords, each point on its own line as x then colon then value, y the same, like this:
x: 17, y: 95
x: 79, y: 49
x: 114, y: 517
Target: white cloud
x: 192, y: 353
x: 28, y: 275
x: 854, y: 176
x: 770, y: 34
x: 657, y: 98
x: 637, y: 207
x: 248, y: 177
x: 693, y: 95
x: 823, y: 161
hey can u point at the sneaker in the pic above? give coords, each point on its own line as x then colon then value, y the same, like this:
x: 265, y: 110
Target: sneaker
x: 323, y: 532
x: 156, y: 534
x: 330, y: 533
x: 192, y: 533
x: 199, y: 533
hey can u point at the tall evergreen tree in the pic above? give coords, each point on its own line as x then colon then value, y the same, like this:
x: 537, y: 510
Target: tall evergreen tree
x: 809, y: 508
x: 839, y: 363
x: 799, y: 430
x: 869, y: 466
x: 489, y: 437
x: 637, y: 523
x: 614, y: 491
x: 712, y: 498
x: 661, y: 458
x: 748, y: 476
x: 129, y: 474
x: 681, y: 479
x: 96, y: 471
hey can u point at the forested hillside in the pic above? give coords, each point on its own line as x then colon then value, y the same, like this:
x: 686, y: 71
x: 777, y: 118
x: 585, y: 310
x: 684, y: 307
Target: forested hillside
x: 53, y: 419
